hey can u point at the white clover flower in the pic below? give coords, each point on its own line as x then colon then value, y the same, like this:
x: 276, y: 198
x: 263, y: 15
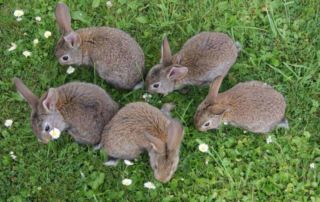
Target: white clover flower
x: 26, y: 53
x: 8, y: 123
x: 203, y: 147
x: 128, y: 163
x: 13, y: 47
x: 146, y: 97
x: 35, y: 41
x: 207, y: 161
x: 149, y: 185
x: 269, y: 140
x: 25, y: 34
x: 82, y: 174
x: 55, y: 133
x: 18, y: 13
x: 312, y: 165
x: 47, y: 34
x: 126, y: 182
x: 14, y: 157
x: 39, y: 188
x: 70, y: 70
x: 19, y: 19
x: 109, y: 4
x: 225, y: 123
x: 245, y: 131
x: 38, y: 18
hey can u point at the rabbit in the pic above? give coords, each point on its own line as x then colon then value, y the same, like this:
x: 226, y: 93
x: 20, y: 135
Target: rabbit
x: 201, y: 59
x: 82, y: 109
x: 115, y: 55
x: 138, y: 127
x: 252, y: 105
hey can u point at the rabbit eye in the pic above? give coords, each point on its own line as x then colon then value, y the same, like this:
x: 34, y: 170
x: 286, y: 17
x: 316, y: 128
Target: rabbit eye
x: 47, y: 128
x: 207, y: 124
x: 65, y: 58
x: 156, y: 85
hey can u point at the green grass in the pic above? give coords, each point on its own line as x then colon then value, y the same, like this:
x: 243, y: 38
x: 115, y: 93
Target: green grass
x: 281, y: 46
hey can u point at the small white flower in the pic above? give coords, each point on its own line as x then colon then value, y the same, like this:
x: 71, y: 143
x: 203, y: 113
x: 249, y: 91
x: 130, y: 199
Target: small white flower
x: 109, y: 4
x: 203, y: 147
x: 13, y: 47
x: 70, y: 70
x: 25, y: 34
x: 149, y: 185
x: 245, y: 131
x: 55, y: 133
x: 38, y: 18
x: 39, y: 188
x: 269, y: 140
x: 8, y: 123
x: 146, y: 96
x: 128, y: 163
x: 11, y: 153
x: 126, y: 182
x: 225, y: 123
x: 18, y: 13
x: 19, y: 19
x: 14, y: 157
x: 35, y: 41
x: 47, y: 34
x: 207, y: 161
x: 82, y: 174
x: 312, y: 165
x: 26, y: 53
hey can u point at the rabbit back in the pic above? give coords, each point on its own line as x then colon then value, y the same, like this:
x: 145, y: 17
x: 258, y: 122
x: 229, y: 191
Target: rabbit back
x: 207, y: 55
x: 123, y: 137
x: 86, y: 108
x: 254, y: 106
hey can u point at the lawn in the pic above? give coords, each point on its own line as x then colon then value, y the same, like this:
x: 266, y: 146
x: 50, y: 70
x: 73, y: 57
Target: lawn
x: 280, y: 45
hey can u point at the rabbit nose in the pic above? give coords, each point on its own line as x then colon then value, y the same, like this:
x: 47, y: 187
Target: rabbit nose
x: 65, y: 58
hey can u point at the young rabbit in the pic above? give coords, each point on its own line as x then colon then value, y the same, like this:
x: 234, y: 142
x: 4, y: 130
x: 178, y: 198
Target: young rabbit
x: 82, y: 109
x: 201, y: 59
x: 116, y: 56
x: 252, y: 105
x: 140, y: 126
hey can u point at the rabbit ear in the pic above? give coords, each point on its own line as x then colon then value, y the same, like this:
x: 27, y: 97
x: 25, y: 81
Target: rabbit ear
x: 175, y: 134
x: 166, y: 58
x: 156, y: 144
x: 26, y: 93
x: 50, y: 101
x: 214, y: 89
x: 217, y: 109
x: 73, y: 39
x: 177, y: 73
x: 63, y: 18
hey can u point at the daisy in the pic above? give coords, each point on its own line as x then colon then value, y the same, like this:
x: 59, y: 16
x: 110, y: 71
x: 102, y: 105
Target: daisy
x: 18, y: 13
x: 38, y: 18
x: 8, y: 123
x: 13, y: 47
x: 70, y: 70
x: 109, y: 4
x: 35, y: 41
x: 312, y: 165
x: 26, y: 53
x: 55, y: 133
x: 47, y: 34
x: 126, y: 182
x: 269, y: 140
x: 203, y: 147
x: 149, y: 185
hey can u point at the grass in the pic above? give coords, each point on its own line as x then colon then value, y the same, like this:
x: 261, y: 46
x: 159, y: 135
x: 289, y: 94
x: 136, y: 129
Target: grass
x: 281, y: 46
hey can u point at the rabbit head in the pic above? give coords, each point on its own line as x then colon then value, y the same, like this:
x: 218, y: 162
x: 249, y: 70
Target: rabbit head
x: 68, y: 50
x: 44, y: 114
x: 209, y: 113
x: 162, y: 78
x: 164, y: 156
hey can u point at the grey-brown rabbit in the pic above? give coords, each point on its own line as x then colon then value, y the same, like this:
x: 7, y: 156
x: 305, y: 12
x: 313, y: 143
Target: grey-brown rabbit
x: 82, y: 109
x: 201, y: 59
x: 116, y: 56
x: 140, y: 126
x: 252, y: 105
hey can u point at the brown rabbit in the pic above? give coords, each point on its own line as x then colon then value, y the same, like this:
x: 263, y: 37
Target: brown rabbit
x: 82, y: 109
x: 140, y: 126
x: 252, y: 105
x: 201, y: 59
x: 116, y: 56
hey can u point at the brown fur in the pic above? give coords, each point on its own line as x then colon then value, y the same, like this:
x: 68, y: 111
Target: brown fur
x: 252, y: 105
x: 205, y: 55
x: 140, y: 126
x: 82, y: 109
x: 116, y: 56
